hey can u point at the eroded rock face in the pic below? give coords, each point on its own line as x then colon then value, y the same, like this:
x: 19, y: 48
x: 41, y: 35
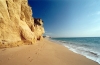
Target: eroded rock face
x: 17, y: 26
x: 39, y: 30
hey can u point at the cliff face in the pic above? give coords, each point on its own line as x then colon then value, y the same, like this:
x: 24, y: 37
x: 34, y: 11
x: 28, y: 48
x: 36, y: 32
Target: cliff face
x: 17, y: 26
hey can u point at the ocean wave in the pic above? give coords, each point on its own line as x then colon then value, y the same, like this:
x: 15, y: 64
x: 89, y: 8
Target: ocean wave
x: 85, y: 52
x: 81, y: 49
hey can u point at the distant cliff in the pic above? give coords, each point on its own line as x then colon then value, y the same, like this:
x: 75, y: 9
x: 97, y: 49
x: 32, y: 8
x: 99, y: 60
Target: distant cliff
x: 17, y: 26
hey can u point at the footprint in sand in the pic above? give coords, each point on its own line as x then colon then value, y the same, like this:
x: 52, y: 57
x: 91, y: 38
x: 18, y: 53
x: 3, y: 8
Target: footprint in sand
x: 25, y: 52
x: 29, y: 58
x: 9, y: 58
x: 36, y: 53
x: 3, y: 49
x: 29, y: 50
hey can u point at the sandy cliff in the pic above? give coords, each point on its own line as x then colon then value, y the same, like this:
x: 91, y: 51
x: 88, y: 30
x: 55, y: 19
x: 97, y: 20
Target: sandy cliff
x: 17, y: 26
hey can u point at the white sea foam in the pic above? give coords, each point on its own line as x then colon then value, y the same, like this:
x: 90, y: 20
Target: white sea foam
x: 84, y: 50
x: 88, y: 54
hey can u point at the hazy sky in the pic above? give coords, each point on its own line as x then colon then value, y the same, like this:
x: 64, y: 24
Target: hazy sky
x: 68, y: 18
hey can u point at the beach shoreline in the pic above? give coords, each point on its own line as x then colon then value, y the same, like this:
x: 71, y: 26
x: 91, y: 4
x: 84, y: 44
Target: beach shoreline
x: 44, y: 52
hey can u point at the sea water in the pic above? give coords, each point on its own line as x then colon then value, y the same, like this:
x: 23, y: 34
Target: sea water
x: 86, y: 46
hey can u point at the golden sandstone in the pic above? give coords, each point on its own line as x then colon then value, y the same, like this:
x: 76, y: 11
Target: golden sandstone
x: 17, y: 26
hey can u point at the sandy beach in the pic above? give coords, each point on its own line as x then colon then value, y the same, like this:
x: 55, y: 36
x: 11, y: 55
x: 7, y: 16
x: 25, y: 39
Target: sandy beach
x: 43, y: 52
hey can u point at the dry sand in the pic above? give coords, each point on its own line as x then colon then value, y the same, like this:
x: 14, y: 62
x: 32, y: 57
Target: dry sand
x: 42, y: 53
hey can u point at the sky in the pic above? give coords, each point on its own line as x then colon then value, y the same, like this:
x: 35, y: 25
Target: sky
x: 68, y: 18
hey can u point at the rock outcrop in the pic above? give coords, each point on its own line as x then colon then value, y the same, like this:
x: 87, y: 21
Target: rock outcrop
x: 17, y: 26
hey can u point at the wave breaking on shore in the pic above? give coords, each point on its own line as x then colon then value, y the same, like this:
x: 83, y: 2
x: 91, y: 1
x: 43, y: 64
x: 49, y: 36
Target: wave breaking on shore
x: 81, y: 49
